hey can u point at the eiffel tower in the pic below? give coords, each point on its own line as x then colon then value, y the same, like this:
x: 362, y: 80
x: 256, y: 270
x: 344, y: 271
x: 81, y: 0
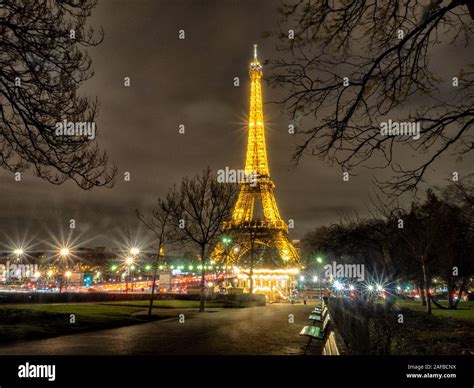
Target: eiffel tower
x: 243, y: 228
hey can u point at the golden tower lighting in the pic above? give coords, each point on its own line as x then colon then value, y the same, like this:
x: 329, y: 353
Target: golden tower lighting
x: 271, y: 230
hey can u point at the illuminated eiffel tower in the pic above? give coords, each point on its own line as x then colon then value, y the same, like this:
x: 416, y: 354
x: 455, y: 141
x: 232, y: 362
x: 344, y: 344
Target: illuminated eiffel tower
x: 271, y: 231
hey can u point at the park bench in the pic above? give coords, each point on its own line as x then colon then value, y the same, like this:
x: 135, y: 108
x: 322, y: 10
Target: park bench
x: 318, y: 317
x: 319, y: 309
x: 315, y: 332
x: 330, y: 347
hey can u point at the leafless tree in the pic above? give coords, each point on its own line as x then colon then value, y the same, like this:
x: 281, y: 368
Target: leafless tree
x: 385, y: 51
x: 203, y: 204
x: 43, y: 63
x: 159, y: 222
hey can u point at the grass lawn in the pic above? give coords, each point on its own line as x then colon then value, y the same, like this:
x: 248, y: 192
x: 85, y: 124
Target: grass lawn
x: 464, y: 311
x: 34, y: 321
x: 444, y: 332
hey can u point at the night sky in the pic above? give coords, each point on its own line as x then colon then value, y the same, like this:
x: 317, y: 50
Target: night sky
x: 186, y: 82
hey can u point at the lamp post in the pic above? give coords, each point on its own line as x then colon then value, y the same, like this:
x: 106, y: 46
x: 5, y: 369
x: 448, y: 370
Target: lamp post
x: 18, y: 252
x: 128, y: 262
x: 134, y: 251
x: 63, y: 254
x: 68, y: 275
x: 226, y: 241
x: 320, y: 261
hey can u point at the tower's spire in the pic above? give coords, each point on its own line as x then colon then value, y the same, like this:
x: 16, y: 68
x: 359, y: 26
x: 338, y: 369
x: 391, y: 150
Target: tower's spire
x: 256, y: 160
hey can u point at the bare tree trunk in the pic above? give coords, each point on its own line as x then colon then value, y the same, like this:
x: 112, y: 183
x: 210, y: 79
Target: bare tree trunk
x: 461, y: 290
x: 450, y: 295
x: 422, y: 295
x: 435, y: 302
x: 202, y: 299
x: 426, y: 287
x: 452, y: 304
x: 155, y: 270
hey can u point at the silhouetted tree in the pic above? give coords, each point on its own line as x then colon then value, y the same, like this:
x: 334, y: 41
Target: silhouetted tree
x: 159, y: 222
x: 202, y: 205
x: 43, y: 63
x: 354, y: 64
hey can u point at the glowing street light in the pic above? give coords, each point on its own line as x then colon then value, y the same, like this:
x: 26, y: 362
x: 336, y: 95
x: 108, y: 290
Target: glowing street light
x: 226, y: 240
x: 319, y: 260
x: 338, y: 285
x: 18, y: 251
x: 370, y: 287
x: 129, y: 262
x: 315, y: 279
x: 134, y: 251
x: 64, y: 252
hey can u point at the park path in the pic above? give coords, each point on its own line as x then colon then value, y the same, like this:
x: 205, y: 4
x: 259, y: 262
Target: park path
x: 249, y: 331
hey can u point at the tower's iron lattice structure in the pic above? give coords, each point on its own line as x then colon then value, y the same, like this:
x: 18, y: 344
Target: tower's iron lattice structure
x: 244, y: 228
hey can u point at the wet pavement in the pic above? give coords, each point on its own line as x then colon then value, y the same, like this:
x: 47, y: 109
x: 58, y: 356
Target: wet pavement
x: 269, y: 330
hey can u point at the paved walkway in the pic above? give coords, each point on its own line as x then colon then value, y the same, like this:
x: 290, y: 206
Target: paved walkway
x: 250, y: 331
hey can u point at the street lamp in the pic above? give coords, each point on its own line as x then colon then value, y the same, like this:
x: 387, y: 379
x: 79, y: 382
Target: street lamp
x: 134, y: 251
x: 226, y: 241
x: 129, y: 262
x: 319, y: 260
x: 63, y: 254
x: 18, y: 252
x: 68, y: 275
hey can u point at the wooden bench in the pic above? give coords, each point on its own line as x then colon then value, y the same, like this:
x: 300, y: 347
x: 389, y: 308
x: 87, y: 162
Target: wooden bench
x: 316, y: 332
x: 330, y: 347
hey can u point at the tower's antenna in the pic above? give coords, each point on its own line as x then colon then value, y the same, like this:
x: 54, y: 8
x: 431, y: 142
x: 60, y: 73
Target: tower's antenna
x: 255, y: 52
